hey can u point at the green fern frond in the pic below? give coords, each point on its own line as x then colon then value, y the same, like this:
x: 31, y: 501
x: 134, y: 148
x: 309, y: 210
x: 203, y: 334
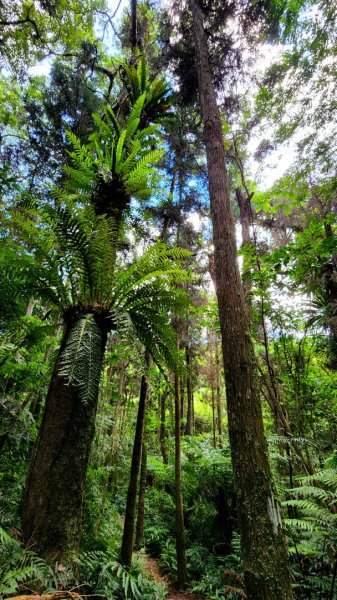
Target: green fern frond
x: 147, y: 160
x: 116, y: 127
x: 81, y: 359
x: 102, y: 125
x: 119, y: 148
x: 142, y: 74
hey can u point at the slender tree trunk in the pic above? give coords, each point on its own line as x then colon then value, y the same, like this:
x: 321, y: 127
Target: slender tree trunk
x: 218, y: 388
x: 263, y: 545
x: 245, y: 219
x: 111, y: 483
x: 162, y: 430
x: 180, y: 533
x: 189, y: 419
x: 129, y: 523
x: 54, y: 489
x: 139, y: 539
x: 134, y: 32
x: 213, y: 414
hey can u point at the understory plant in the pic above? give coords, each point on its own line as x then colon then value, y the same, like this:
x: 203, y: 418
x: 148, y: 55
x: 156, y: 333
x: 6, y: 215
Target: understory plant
x: 312, y: 533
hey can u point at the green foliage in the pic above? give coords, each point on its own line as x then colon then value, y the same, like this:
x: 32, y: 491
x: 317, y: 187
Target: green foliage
x: 312, y: 529
x: 118, y: 161
x: 99, y: 572
x: 107, y: 577
x: 81, y: 361
x: 22, y: 569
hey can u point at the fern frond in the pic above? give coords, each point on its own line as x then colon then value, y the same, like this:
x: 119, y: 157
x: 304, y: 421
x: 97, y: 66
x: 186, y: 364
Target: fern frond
x: 119, y: 148
x: 81, y: 359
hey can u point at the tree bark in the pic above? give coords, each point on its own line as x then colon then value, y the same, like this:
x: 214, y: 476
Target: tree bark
x: 180, y: 533
x: 53, y: 495
x: 129, y: 523
x: 263, y: 546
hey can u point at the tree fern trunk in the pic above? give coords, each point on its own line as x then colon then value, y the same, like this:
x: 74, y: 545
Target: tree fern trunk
x: 54, y: 487
x: 263, y: 545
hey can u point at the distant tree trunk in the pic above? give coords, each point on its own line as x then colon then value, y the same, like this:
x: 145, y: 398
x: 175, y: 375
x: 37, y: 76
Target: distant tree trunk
x: 180, y: 533
x: 52, y: 501
x: 213, y: 379
x: 111, y: 456
x: 162, y: 430
x: 263, y: 545
x: 217, y: 388
x: 189, y: 419
x: 130, y: 511
x: 139, y: 539
x: 213, y: 414
x: 245, y: 219
x: 134, y: 32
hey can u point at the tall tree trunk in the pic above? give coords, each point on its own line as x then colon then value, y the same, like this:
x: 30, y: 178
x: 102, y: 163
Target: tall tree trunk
x: 218, y: 388
x: 180, y: 533
x: 134, y: 32
x: 54, y: 489
x: 182, y: 404
x: 213, y: 414
x: 189, y: 419
x: 111, y: 483
x: 129, y: 523
x: 263, y: 545
x: 245, y: 219
x: 162, y: 430
x: 139, y: 539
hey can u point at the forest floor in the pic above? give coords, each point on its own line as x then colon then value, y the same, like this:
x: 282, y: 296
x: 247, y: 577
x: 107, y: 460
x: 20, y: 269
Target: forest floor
x: 173, y: 593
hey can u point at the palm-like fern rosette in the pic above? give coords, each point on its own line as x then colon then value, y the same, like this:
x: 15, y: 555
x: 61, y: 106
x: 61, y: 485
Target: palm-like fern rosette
x: 75, y: 270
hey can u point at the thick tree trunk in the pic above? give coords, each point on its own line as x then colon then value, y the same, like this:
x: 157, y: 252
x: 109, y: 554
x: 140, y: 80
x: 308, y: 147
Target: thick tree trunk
x: 263, y: 545
x: 180, y: 533
x: 130, y: 511
x: 54, y: 488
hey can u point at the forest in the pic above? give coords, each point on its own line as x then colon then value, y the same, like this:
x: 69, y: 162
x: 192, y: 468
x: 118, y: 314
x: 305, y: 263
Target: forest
x: 168, y: 300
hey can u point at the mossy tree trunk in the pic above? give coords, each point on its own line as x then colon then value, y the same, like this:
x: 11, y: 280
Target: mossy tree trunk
x: 263, y: 545
x: 54, y: 488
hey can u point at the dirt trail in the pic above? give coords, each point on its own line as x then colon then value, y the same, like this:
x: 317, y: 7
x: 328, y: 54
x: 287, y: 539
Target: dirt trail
x: 152, y: 567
